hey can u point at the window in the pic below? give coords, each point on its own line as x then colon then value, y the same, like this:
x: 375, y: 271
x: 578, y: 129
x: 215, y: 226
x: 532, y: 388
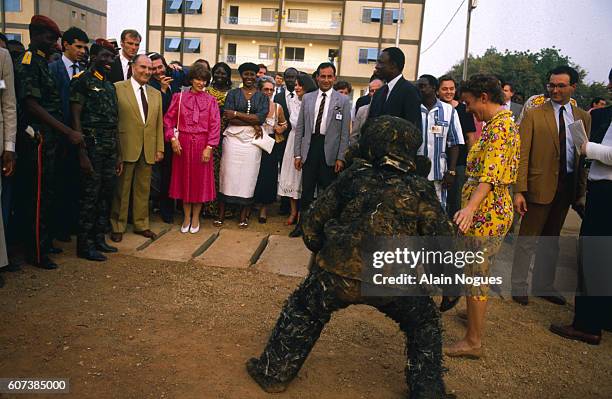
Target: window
x: 298, y: 16
x: 172, y: 44
x: 267, y: 52
x: 231, y: 53
x: 13, y: 36
x: 174, y: 6
x: 368, y: 55
x: 12, y: 5
x: 83, y: 16
x: 336, y: 18
x: 294, y: 54
x: 191, y: 45
x: 269, y: 14
x: 391, y: 15
x: 233, y: 15
x: 193, y: 6
x: 73, y: 14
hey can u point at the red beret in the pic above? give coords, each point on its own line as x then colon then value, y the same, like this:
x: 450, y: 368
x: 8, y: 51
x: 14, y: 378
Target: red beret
x: 45, y: 22
x: 99, y: 44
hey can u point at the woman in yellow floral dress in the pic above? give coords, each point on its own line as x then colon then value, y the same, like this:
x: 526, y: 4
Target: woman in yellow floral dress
x: 487, y: 212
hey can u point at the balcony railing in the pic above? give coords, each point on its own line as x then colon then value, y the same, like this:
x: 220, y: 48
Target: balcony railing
x: 310, y: 24
x: 237, y: 60
x: 248, y: 21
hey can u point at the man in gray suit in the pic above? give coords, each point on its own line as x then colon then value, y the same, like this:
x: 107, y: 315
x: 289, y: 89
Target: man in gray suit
x: 8, y: 133
x: 321, y: 136
x: 509, y: 105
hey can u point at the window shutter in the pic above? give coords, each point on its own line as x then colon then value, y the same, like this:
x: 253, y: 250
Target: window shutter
x: 388, y: 17
x: 366, y: 15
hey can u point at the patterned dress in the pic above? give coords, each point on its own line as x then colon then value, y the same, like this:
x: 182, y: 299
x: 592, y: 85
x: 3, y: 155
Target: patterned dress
x: 211, y: 208
x: 493, y: 159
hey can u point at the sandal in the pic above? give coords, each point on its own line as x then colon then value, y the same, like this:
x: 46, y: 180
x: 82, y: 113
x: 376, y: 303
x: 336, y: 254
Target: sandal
x: 218, y: 223
x: 243, y: 225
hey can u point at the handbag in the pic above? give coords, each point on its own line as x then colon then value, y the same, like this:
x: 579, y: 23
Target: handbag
x: 178, y: 119
x: 265, y: 142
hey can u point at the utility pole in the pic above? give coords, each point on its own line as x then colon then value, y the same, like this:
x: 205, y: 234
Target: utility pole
x: 471, y: 5
x: 400, y: 19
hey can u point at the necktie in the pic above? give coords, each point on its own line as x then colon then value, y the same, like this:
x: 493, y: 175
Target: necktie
x: 291, y: 94
x: 75, y: 69
x: 129, y: 72
x: 145, y: 104
x: 320, y: 115
x: 385, y: 92
x: 562, y: 146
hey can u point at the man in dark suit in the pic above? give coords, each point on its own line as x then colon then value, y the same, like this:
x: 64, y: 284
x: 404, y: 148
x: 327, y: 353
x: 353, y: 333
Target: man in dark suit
x: 286, y: 95
x: 130, y: 43
x: 66, y: 208
x: 510, y: 105
x: 321, y: 137
x: 398, y: 97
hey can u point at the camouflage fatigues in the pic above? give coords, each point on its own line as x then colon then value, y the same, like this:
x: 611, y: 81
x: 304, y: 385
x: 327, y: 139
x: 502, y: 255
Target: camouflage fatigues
x: 99, y: 120
x: 33, y: 79
x: 380, y: 194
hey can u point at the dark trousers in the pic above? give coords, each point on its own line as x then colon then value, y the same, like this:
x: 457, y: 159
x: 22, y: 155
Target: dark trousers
x: 166, y: 204
x: 316, y: 174
x: 310, y: 307
x: 540, y: 220
x: 592, y: 313
x: 65, y: 214
x: 97, y: 188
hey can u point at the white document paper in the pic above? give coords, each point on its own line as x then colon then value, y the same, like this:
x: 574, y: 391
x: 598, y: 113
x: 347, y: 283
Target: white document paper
x: 578, y: 134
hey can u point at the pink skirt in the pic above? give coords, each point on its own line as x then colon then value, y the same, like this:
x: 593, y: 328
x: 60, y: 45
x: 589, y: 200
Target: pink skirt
x: 192, y: 180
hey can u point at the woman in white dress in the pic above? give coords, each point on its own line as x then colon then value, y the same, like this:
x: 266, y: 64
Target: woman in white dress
x: 246, y: 109
x: 290, y: 183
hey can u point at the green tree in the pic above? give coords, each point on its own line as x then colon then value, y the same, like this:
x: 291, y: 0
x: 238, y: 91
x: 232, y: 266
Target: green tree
x: 527, y: 71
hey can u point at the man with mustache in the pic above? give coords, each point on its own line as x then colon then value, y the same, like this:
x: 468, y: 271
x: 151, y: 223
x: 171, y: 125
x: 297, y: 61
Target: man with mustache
x: 94, y: 110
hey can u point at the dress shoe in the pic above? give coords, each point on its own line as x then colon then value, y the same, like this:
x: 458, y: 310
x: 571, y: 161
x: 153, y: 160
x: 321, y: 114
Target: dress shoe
x: 146, y: 233
x: 194, y: 230
x: 571, y: 333
x: 297, y: 232
x: 556, y: 299
x: 92, y: 255
x: 473, y: 353
x: 267, y: 383
x: 185, y: 229
x: 449, y: 302
x: 263, y: 220
x: 116, y: 237
x: 521, y: 299
x: 1, y: 282
x: 11, y: 267
x: 167, y: 219
x: 102, y: 246
x: 45, y: 263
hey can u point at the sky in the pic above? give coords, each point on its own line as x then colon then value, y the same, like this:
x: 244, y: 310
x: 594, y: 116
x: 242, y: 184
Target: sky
x: 581, y: 29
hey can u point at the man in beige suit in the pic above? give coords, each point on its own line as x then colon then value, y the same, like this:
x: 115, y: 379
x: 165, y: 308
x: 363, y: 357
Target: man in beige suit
x: 551, y: 177
x: 141, y: 144
x: 8, y: 132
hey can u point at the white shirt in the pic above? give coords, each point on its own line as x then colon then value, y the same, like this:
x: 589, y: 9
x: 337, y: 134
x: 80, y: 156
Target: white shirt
x: 507, y: 105
x: 125, y: 65
x: 68, y: 64
x: 136, y: 86
x: 392, y: 83
x: 292, y: 102
x: 601, y: 154
x: 568, y: 116
x: 328, y: 94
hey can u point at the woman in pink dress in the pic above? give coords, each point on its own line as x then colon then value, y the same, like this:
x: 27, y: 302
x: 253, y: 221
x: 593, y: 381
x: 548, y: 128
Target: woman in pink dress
x: 198, y: 124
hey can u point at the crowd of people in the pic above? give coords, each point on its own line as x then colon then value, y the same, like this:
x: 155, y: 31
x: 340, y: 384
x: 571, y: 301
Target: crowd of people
x: 89, y: 127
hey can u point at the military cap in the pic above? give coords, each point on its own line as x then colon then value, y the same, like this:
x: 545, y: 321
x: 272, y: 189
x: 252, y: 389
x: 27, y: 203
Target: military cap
x: 100, y: 44
x: 45, y: 22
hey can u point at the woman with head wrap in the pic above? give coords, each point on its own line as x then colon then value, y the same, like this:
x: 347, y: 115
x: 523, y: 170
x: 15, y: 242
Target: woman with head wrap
x: 246, y: 109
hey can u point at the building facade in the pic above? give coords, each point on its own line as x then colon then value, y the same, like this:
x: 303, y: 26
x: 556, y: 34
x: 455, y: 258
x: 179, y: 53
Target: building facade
x: 89, y: 15
x: 287, y: 33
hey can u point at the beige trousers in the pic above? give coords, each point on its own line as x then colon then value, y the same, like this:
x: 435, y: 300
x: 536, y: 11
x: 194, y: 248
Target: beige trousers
x: 135, y: 179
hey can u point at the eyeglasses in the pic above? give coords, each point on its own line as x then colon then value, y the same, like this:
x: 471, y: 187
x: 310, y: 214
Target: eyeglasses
x: 267, y: 89
x: 552, y: 86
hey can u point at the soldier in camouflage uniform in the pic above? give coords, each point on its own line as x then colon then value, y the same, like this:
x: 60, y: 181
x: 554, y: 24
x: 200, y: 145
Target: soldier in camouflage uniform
x: 40, y: 107
x: 379, y: 194
x: 93, y: 102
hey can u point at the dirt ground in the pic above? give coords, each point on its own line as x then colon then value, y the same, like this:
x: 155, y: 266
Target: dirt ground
x: 134, y: 328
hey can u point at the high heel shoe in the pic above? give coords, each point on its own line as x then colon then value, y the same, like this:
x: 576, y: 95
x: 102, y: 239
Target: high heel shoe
x: 194, y: 230
x: 292, y: 220
x: 185, y: 229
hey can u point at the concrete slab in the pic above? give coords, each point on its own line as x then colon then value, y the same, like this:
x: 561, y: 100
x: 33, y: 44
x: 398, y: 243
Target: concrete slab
x: 132, y: 242
x: 233, y: 248
x: 286, y: 256
x: 177, y: 246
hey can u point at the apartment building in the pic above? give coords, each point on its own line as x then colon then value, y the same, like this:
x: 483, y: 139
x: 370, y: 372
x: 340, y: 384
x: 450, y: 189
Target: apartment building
x: 89, y: 15
x: 287, y: 33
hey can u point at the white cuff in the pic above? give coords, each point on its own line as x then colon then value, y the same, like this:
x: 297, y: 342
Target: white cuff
x: 9, y: 146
